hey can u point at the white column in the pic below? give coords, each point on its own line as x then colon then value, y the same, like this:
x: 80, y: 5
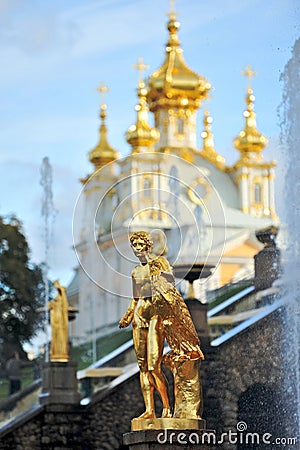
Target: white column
x: 266, y: 197
x: 244, y: 190
x: 271, y: 193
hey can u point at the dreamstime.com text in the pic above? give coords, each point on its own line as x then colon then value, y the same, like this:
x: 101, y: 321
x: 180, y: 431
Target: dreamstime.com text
x: 241, y: 436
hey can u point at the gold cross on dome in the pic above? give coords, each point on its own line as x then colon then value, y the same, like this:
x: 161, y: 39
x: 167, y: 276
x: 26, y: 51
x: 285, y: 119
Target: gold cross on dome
x: 103, y: 90
x: 172, y: 6
x: 172, y: 14
x: 140, y: 67
x: 249, y: 73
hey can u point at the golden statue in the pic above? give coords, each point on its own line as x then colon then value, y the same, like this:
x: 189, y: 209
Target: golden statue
x: 158, y: 312
x: 58, y: 307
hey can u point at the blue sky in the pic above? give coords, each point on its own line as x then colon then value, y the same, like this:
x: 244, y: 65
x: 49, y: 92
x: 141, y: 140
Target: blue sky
x: 54, y: 54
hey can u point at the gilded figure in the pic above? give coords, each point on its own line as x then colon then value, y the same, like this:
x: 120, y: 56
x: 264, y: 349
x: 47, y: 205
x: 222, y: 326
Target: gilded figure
x: 58, y: 307
x: 158, y: 312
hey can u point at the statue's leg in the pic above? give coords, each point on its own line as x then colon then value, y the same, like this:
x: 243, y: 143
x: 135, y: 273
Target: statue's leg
x: 146, y: 379
x: 148, y: 395
x: 155, y: 352
x: 187, y: 389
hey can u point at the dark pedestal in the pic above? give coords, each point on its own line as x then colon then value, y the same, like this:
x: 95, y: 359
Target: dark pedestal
x: 267, y: 267
x: 170, y: 439
x: 198, y: 313
x: 59, y: 384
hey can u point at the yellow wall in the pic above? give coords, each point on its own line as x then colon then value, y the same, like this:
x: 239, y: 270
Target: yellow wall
x: 228, y: 270
x: 244, y: 250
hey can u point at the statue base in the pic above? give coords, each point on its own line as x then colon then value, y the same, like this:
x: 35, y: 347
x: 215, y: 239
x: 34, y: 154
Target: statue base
x: 170, y: 439
x: 59, y: 383
x: 167, y: 424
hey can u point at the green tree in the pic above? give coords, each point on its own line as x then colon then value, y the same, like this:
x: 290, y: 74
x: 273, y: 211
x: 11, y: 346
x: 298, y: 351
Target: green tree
x: 21, y: 288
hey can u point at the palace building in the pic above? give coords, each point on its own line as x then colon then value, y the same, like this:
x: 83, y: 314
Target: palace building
x: 198, y: 208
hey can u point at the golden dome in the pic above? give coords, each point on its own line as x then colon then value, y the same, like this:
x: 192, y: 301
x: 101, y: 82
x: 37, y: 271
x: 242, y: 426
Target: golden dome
x: 103, y: 153
x: 208, y: 151
x: 250, y: 139
x: 174, y: 84
x: 141, y: 134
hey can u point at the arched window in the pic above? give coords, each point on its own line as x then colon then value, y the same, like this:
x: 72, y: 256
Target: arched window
x: 180, y: 125
x: 147, y: 186
x: 257, y: 192
x: 174, y: 180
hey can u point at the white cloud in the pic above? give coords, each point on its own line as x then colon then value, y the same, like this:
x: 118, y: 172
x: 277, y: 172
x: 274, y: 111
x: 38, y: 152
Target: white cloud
x: 7, y: 7
x: 34, y: 29
x: 55, y: 53
x: 103, y: 30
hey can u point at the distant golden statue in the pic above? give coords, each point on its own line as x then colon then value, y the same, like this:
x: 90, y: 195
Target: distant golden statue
x: 59, y: 325
x: 158, y: 312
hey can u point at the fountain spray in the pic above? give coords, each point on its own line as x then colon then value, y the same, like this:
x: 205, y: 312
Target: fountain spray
x: 48, y: 214
x: 290, y: 140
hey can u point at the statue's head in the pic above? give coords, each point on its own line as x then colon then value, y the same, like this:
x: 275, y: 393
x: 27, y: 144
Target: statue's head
x: 140, y: 242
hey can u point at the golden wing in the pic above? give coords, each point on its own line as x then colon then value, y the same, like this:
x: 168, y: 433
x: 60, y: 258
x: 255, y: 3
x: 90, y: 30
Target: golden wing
x: 178, y: 326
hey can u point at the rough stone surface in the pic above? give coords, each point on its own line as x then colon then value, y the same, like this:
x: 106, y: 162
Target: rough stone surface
x: 169, y: 439
x: 249, y: 363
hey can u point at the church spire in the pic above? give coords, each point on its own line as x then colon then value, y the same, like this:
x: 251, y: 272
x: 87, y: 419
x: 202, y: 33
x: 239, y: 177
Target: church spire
x: 250, y: 142
x: 208, y: 151
x: 103, y: 153
x: 140, y: 135
x: 175, y: 93
x: 253, y: 175
x: 174, y: 84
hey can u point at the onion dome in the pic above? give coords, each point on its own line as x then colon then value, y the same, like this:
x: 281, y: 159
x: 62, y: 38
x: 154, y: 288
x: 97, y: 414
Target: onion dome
x: 103, y: 153
x: 141, y: 134
x: 208, y: 152
x: 174, y: 84
x: 250, y: 139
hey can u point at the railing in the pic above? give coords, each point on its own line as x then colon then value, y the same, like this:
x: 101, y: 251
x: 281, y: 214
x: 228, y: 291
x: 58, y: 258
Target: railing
x: 230, y: 301
x: 242, y: 306
x: 91, y: 381
x: 212, y: 295
x: 261, y: 314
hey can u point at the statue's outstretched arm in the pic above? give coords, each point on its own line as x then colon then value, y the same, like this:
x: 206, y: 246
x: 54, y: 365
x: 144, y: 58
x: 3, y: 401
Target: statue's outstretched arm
x: 128, y: 316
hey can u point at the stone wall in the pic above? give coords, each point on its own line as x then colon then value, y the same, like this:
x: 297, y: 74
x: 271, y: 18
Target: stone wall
x: 25, y: 433
x: 246, y: 364
x: 99, y: 425
x: 250, y: 360
x: 108, y: 416
x: 47, y: 428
